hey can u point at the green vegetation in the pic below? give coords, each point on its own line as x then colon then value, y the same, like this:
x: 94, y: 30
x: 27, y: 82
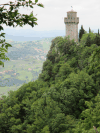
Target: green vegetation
x: 81, y: 32
x: 64, y: 99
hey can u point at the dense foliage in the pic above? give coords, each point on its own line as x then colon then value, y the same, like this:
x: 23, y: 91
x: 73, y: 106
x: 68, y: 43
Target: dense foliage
x: 64, y: 99
x: 81, y: 32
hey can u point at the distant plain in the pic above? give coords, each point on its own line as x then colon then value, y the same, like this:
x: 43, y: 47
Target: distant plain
x: 26, y: 61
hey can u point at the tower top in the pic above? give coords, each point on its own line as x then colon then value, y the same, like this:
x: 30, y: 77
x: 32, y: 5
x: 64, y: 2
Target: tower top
x: 72, y: 10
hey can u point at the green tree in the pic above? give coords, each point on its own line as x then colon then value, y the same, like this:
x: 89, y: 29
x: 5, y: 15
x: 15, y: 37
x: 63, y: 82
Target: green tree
x: 89, y: 30
x: 81, y: 32
x: 97, y: 40
x: 10, y: 17
x: 94, y: 68
x: 98, y: 31
x: 88, y: 41
x: 64, y: 71
x: 96, y: 55
x: 74, y: 91
x: 47, y: 71
x: 91, y: 117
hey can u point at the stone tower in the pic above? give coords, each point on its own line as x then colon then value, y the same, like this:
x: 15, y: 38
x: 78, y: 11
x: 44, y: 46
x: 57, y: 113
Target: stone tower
x: 71, y: 24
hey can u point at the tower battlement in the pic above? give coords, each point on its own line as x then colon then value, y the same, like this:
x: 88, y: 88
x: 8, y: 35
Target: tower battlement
x: 71, y: 25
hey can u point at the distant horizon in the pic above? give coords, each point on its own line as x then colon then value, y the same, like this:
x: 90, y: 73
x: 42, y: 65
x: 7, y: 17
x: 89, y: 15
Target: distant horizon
x: 31, y: 34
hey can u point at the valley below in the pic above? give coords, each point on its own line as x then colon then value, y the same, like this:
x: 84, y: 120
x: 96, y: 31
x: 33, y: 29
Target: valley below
x: 25, y: 65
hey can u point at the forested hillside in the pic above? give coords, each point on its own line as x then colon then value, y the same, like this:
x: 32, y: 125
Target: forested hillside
x: 64, y: 99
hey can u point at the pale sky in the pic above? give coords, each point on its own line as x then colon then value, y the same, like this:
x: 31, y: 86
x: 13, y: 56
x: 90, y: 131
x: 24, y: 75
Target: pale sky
x: 51, y: 17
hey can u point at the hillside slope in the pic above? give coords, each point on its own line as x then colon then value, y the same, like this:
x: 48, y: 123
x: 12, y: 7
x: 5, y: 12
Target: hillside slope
x: 64, y: 99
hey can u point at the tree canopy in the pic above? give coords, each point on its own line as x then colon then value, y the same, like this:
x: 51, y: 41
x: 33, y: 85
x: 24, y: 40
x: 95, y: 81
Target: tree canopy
x: 65, y: 97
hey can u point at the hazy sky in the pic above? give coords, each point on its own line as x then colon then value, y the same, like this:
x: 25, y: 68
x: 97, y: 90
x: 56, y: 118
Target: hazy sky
x: 51, y: 17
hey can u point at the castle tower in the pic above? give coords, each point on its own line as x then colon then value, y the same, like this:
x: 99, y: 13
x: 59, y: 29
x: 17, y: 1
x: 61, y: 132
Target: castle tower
x: 71, y: 24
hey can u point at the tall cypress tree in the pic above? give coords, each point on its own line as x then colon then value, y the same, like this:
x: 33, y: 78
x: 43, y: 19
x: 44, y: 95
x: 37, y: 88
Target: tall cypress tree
x: 98, y: 31
x: 89, y: 30
x: 81, y: 32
